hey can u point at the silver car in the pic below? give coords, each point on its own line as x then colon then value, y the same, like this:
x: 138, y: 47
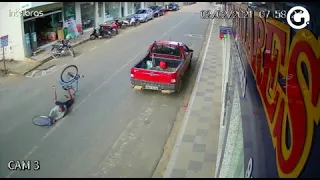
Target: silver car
x: 144, y: 14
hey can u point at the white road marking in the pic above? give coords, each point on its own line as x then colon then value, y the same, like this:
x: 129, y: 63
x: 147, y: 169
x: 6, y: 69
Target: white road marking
x: 173, y: 27
x: 93, y: 48
x: 78, y: 56
x: 175, y: 151
x: 46, y: 73
x: 102, y: 84
x: 30, y: 152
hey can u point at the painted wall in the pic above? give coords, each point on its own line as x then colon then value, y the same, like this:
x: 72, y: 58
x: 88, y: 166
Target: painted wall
x: 281, y: 128
x: 14, y: 29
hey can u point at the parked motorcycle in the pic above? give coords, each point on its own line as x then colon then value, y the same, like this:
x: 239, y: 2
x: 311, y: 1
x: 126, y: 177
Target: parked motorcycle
x: 113, y: 28
x: 100, y: 33
x: 133, y: 21
x: 121, y: 23
x: 61, y: 49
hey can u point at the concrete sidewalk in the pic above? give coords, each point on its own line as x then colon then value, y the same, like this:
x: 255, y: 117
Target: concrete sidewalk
x: 195, y: 151
x: 29, y: 64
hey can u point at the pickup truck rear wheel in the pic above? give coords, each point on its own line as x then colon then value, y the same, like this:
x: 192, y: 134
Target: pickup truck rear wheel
x: 179, y: 86
x: 189, y: 66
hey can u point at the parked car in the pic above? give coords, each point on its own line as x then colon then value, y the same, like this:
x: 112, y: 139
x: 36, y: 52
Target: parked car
x: 144, y: 14
x: 157, y: 10
x: 163, y: 68
x: 173, y: 7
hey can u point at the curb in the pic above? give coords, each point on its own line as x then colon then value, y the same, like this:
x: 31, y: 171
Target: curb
x: 50, y: 58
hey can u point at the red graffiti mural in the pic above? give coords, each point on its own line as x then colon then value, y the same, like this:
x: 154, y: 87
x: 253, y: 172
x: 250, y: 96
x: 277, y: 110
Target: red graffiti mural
x: 287, y: 73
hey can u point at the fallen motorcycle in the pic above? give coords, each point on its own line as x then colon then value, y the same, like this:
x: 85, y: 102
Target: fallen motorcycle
x: 59, y: 49
x: 101, y: 33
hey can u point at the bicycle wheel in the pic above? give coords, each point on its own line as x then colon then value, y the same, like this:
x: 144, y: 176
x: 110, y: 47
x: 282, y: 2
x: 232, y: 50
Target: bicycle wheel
x: 41, y: 121
x: 69, y: 73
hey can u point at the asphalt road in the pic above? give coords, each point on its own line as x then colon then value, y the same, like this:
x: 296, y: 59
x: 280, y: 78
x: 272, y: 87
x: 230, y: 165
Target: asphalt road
x: 113, y: 130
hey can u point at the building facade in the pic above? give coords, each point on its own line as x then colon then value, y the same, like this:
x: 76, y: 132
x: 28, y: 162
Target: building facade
x: 272, y: 121
x: 31, y: 31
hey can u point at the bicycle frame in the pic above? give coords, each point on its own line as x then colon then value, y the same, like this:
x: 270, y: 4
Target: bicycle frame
x: 67, y: 86
x: 70, y: 84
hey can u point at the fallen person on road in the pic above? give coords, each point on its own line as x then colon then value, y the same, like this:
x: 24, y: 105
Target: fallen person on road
x: 61, y: 108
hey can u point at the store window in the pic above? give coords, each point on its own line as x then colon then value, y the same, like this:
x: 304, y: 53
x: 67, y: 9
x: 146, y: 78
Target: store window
x: 108, y: 8
x: 69, y: 10
x: 130, y: 8
x: 112, y: 10
x: 87, y: 15
x: 43, y: 30
x: 137, y: 6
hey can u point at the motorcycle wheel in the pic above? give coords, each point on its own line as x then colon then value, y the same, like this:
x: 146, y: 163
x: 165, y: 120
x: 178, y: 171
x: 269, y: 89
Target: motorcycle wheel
x: 92, y: 37
x: 55, y: 54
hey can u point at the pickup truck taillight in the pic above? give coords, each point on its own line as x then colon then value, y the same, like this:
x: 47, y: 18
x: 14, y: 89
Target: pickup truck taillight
x: 132, y: 73
x: 173, y: 78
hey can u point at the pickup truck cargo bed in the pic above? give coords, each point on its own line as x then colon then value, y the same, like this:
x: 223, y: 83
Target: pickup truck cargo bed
x: 171, y: 64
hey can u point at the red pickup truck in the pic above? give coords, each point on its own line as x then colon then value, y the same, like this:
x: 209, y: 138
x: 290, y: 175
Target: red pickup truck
x: 163, y: 67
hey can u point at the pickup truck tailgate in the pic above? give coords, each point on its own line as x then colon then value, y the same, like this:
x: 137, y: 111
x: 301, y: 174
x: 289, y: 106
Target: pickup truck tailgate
x: 153, y: 76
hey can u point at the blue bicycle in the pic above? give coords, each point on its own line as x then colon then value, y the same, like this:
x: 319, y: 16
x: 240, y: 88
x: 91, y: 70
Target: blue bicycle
x: 69, y: 81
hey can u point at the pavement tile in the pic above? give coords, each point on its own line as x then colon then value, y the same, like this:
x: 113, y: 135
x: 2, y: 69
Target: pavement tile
x: 178, y: 173
x: 197, y: 156
x: 182, y: 160
x: 205, y: 119
x: 208, y: 169
x: 199, y: 147
x: 208, y: 98
x: 195, y: 166
x: 193, y: 174
x: 202, y: 132
x: 195, y: 113
x: 188, y: 138
x: 210, y: 157
x: 186, y: 147
x: 202, y: 140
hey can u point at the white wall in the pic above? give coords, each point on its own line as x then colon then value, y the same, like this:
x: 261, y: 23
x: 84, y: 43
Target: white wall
x: 13, y: 27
